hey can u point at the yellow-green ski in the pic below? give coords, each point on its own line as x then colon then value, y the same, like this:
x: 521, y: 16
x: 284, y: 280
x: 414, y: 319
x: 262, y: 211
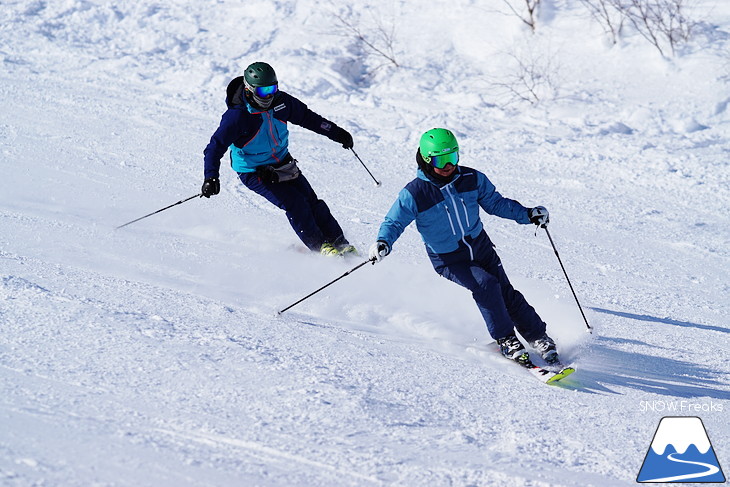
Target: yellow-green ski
x: 560, y: 375
x: 548, y: 376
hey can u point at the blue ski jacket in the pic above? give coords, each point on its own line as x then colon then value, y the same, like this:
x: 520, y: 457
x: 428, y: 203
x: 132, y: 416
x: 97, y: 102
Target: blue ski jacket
x: 259, y: 137
x: 447, y: 215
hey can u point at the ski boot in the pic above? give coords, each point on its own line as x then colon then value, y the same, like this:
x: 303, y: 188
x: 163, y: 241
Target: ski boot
x: 513, y: 349
x: 348, y: 251
x: 546, y: 347
x: 328, y: 250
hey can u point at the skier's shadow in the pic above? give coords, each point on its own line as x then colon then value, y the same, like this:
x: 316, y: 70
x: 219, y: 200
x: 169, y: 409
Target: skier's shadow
x: 611, y: 365
x: 666, y: 321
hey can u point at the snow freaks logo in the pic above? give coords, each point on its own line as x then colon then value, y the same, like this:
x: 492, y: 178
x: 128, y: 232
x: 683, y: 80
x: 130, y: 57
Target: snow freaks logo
x: 681, y: 452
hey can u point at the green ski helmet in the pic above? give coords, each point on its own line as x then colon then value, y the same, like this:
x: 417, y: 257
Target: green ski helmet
x: 261, y: 83
x: 439, y: 147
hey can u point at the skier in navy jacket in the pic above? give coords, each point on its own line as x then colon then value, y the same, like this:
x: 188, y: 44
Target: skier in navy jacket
x: 444, y: 200
x: 254, y: 128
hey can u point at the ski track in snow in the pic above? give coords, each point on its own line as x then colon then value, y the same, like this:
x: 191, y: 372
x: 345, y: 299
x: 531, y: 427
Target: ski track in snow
x: 152, y: 355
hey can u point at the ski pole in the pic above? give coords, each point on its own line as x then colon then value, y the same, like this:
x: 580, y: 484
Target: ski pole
x: 163, y: 209
x: 377, y: 183
x: 590, y: 330
x: 326, y: 285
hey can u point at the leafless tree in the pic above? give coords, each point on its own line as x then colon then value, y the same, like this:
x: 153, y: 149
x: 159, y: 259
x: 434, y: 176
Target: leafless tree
x: 607, y: 16
x: 531, y: 79
x: 527, y: 13
x: 661, y: 22
x: 377, y: 39
x: 664, y: 23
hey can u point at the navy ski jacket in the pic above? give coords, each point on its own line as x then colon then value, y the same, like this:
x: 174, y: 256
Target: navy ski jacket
x: 447, y: 215
x: 258, y: 137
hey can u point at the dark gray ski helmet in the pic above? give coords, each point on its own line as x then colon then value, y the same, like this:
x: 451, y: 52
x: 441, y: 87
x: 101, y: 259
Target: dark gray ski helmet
x: 261, y: 83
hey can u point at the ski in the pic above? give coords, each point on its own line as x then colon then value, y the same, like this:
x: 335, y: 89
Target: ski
x: 548, y: 376
x: 556, y: 371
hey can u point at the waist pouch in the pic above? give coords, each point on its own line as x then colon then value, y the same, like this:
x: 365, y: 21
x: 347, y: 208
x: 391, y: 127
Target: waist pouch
x: 279, y: 173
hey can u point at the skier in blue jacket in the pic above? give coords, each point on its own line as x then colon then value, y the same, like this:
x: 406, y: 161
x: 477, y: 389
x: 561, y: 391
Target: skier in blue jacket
x: 255, y: 130
x: 444, y: 200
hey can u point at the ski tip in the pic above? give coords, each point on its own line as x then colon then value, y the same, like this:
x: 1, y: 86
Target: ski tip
x: 560, y: 375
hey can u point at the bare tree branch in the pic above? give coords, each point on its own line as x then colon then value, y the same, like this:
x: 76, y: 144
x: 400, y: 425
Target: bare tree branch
x: 380, y: 41
x: 531, y: 78
x: 664, y: 23
x: 607, y: 16
x: 528, y: 17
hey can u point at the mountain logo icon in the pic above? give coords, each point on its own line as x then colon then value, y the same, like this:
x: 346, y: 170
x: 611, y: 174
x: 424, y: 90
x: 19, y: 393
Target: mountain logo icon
x: 681, y: 452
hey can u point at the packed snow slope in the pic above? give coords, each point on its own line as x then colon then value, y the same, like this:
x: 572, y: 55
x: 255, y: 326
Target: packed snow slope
x: 151, y: 355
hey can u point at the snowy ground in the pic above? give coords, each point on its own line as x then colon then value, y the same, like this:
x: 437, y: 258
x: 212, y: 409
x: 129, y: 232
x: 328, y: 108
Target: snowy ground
x: 152, y: 356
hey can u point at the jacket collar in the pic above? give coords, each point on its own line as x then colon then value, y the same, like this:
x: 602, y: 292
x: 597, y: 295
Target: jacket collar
x: 252, y: 110
x: 439, y: 184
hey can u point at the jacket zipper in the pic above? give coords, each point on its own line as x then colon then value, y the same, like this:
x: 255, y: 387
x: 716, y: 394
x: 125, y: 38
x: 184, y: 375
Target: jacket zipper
x: 271, y: 134
x: 466, y: 213
x: 451, y: 222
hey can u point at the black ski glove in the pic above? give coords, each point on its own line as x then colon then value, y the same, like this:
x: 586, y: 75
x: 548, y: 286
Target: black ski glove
x: 211, y: 186
x: 343, y: 137
x: 539, y: 216
x: 267, y: 174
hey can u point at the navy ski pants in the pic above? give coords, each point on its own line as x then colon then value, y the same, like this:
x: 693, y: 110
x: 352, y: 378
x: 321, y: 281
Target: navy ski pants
x: 308, y: 215
x: 502, y: 306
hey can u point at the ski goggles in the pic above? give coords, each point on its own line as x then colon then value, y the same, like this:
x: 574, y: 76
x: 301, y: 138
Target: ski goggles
x: 265, y: 91
x: 440, y: 161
